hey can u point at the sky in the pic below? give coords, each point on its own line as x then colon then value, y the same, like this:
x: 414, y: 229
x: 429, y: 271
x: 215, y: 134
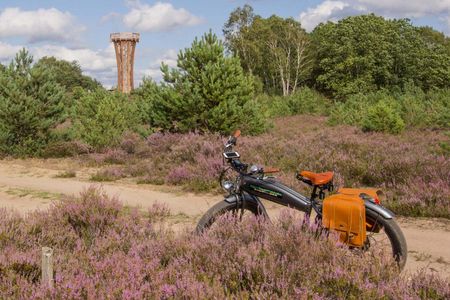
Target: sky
x: 79, y: 30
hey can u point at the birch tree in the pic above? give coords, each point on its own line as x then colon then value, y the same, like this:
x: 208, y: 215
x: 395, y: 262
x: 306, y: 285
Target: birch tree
x: 274, y: 49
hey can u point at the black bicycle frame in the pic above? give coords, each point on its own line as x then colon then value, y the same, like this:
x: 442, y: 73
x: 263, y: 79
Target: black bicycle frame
x: 272, y: 190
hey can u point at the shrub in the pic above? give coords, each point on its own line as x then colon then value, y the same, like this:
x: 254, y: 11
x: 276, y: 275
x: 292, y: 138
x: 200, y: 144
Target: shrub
x: 179, y: 175
x: 350, y: 112
x: 66, y: 148
x: 66, y: 174
x: 108, y: 174
x: 383, y: 118
x: 100, y: 118
x: 131, y: 142
x: 274, y: 106
x: 304, y: 101
x: 438, y: 108
x: 91, y: 215
x: 114, y: 156
x: 308, y: 101
x: 416, y: 108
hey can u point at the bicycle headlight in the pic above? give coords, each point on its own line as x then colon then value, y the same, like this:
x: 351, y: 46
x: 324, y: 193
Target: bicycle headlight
x: 228, y: 186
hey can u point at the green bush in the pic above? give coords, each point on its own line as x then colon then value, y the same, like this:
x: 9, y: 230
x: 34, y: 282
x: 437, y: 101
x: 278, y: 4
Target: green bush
x: 147, y: 96
x: 273, y: 106
x: 100, y: 118
x: 415, y: 108
x: 308, y: 101
x: 438, y: 108
x: 383, y: 117
x: 354, y: 109
x: 304, y: 101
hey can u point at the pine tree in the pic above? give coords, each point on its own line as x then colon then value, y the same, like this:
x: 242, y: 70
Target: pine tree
x: 30, y: 107
x: 207, y: 92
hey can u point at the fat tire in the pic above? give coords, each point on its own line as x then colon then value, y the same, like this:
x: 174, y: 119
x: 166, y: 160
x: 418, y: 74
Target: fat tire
x: 222, y: 208
x: 395, y: 235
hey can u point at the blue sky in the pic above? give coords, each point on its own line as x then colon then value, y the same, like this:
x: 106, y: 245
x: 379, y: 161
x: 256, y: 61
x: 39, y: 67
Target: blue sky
x: 79, y: 30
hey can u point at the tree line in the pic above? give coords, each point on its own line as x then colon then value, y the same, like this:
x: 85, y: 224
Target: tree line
x: 357, y: 54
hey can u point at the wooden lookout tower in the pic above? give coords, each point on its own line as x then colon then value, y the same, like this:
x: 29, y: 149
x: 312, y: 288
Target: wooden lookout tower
x: 125, y: 45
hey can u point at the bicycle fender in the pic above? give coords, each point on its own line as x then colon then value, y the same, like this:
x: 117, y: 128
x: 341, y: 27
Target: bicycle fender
x: 381, y: 210
x: 249, y: 198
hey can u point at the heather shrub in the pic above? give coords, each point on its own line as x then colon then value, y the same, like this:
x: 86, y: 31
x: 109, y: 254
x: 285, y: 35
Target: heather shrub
x: 383, y: 117
x: 179, y: 175
x: 66, y: 148
x: 91, y: 215
x: 103, y: 251
x: 191, y: 160
x: 131, y: 142
x: 411, y: 167
x: 108, y: 174
x: 114, y: 156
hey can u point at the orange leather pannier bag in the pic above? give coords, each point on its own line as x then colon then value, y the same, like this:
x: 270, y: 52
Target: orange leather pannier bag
x: 345, y: 214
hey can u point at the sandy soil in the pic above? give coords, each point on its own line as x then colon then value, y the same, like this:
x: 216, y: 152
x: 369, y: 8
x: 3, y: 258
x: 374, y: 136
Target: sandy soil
x: 31, y: 184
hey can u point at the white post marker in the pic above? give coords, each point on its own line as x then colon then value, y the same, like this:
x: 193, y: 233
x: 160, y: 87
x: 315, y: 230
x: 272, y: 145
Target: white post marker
x: 47, y: 266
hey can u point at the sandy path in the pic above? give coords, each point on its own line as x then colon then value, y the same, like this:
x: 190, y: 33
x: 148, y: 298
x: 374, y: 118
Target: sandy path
x: 15, y: 177
x: 26, y: 187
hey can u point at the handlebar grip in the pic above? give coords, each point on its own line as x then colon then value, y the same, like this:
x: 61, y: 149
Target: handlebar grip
x: 271, y: 170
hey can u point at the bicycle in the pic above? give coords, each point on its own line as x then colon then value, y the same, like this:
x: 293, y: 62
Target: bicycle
x: 374, y: 223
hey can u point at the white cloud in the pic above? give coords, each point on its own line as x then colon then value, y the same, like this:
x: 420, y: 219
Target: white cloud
x: 7, y: 52
x: 153, y: 70
x: 39, y: 25
x: 158, y: 17
x: 89, y: 60
x: 407, y: 8
x: 325, y: 11
x: 333, y: 10
x: 100, y: 64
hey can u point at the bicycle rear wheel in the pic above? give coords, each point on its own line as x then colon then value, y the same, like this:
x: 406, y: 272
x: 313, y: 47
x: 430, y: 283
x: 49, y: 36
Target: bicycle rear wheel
x: 386, y: 236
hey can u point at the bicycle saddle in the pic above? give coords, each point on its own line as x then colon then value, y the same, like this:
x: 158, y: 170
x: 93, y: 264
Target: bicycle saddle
x: 315, y: 178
